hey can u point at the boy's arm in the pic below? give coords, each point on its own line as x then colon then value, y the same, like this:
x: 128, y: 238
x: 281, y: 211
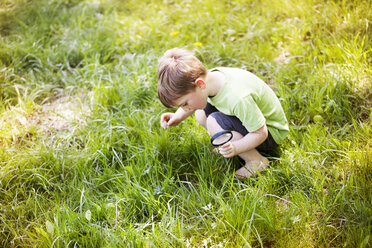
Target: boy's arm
x: 182, y: 114
x: 173, y: 119
x: 248, y: 142
x: 251, y: 140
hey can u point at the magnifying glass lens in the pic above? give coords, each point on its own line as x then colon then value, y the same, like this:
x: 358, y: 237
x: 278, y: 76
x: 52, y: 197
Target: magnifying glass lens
x: 221, y: 138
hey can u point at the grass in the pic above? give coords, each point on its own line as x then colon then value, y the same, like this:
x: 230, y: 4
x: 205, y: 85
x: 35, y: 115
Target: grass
x: 84, y: 162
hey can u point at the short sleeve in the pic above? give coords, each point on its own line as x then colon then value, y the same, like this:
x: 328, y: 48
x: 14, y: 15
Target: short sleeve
x: 249, y: 114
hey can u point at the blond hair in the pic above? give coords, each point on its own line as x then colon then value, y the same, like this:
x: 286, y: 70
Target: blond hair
x: 178, y: 69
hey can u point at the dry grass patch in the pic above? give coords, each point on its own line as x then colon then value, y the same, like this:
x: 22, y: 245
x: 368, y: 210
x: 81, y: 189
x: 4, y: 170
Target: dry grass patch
x: 56, y: 117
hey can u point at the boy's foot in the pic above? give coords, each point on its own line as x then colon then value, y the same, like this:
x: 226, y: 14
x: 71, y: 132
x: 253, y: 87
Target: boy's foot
x: 251, y: 168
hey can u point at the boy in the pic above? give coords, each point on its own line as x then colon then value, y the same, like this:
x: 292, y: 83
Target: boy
x: 223, y: 99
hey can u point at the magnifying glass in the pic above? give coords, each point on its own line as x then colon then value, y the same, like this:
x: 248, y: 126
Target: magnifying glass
x: 221, y: 138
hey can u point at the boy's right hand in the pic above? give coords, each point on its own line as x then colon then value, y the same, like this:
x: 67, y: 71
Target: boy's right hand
x: 167, y: 120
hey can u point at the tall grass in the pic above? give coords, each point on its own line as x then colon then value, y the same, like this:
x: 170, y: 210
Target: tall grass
x: 113, y: 178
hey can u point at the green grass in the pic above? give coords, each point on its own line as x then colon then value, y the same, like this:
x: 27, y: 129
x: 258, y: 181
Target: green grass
x: 84, y: 162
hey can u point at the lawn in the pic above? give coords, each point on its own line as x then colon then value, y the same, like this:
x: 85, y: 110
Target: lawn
x: 85, y: 163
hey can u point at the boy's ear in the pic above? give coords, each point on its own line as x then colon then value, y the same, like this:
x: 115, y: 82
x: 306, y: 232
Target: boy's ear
x: 200, y: 83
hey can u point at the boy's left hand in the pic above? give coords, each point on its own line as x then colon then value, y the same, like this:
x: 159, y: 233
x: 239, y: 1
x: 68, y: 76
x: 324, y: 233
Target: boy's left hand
x: 227, y: 150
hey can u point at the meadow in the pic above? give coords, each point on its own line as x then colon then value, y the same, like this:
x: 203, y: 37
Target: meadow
x: 85, y: 163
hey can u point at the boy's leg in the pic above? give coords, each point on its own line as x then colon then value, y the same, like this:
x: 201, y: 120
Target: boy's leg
x: 201, y: 115
x: 201, y: 118
x: 254, y: 161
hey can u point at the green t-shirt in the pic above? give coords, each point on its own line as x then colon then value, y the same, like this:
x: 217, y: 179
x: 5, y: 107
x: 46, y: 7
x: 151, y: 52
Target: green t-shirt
x: 247, y: 97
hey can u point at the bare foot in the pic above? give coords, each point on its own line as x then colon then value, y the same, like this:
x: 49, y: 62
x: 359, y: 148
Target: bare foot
x: 252, y: 168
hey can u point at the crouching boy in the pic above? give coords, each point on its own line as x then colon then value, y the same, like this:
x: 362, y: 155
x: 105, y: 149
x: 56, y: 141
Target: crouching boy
x: 223, y: 99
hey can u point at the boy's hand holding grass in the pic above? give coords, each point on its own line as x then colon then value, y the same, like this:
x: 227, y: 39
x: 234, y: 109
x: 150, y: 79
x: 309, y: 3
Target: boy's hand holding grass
x: 167, y: 120
x: 173, y: 119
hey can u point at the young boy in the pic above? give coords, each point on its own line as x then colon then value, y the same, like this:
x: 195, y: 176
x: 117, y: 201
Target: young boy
x: 223, y: 99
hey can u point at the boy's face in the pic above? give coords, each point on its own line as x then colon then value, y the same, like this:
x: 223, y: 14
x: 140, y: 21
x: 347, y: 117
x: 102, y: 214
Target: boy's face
x: 196, y: 99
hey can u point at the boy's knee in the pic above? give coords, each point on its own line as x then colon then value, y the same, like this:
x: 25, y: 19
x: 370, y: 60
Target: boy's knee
x: 210, y: 120
x: 212, y: 124
x: 201, y: 118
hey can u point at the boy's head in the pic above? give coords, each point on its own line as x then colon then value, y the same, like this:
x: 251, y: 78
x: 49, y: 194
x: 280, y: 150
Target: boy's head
x: 178, y: 69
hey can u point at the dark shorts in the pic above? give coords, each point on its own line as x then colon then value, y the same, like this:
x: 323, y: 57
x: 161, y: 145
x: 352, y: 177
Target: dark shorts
x: 232, y: 123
